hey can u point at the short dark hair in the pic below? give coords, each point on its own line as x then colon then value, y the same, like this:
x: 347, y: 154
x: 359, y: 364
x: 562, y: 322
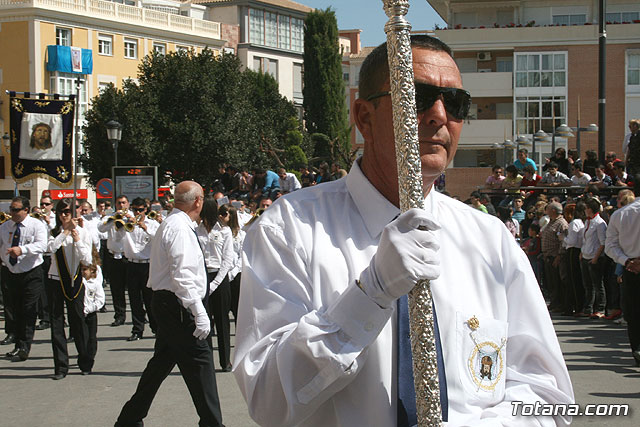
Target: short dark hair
x: 619, y: 164
x: 496, y: 167
x: 528, y: 168
x: 535, y: 227
x: 577, y: 165
x: 475, y: 194
x: 552, y: 165
x: 375, y: 68
x: 523, y: 150
x: 593, y: 204
x: 26, y: 204
x: 512, y: 169
x: 139, y: 201
x: 122, y: 196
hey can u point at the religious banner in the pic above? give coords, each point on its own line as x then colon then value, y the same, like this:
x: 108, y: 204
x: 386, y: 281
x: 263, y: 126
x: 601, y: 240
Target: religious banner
x: 41, y: 134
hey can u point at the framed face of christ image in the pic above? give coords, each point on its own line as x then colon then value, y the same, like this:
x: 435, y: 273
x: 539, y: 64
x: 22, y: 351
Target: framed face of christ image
x: 41, y: 137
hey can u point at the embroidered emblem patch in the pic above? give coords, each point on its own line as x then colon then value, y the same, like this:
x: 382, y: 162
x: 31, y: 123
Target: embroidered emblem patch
x: 486, y: 364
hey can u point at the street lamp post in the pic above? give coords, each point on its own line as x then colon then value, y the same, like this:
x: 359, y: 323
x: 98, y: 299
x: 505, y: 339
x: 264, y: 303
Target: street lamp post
x: 114, y: 133
x: 567, y: 132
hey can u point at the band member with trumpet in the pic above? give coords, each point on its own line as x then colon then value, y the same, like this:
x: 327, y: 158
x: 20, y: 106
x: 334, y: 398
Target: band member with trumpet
x: 138, y: 235
x: 71, y: 246
x: 23, y: 240
x: 117, y: 260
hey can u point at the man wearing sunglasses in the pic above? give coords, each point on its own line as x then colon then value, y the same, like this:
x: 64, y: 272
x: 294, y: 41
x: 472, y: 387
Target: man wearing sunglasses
x: 137, y: 249
x: 117, y: 261
x: 322, y: 332
x: 23, y: 240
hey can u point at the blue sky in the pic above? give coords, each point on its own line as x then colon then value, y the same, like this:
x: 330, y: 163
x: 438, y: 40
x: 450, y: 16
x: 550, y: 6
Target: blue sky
x: 369, y: 16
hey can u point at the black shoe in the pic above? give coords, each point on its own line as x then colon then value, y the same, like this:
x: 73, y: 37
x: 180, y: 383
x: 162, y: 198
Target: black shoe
x: 58, y: 376
x: 12, y: 353
x: 43, y: 325
x: 117, y: 323
x: 86, y: 372
x: 103, y: 309
x: 636, y: 356
x: 21, y: 356
x: 135, y: 337
x: 227, y: 369
x: 9, y: 339
x: 70, y: 339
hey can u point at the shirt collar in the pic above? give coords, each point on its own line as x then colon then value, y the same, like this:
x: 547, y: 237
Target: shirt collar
x: 376, y: 211
x: 184, y: 217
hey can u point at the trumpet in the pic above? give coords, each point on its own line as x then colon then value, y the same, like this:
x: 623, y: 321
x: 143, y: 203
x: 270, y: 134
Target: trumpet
x: 117, y: 216
x: 4, y: 217
x: 131, y: 225
x: 153, y: 215
x: 36, y: 215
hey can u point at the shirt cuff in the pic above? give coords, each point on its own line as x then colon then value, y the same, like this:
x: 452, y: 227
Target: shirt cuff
x: 358, y: 316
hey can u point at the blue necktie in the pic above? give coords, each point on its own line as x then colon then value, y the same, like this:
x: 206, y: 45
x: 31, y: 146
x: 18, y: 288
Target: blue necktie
x: 406, y: 391
x: 15, y: 242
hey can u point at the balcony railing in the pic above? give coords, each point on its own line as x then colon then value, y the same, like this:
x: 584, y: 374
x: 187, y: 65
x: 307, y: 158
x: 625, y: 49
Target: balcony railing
x: 122, y: 13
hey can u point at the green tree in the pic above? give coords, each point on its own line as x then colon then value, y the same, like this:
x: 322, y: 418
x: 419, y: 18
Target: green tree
x: 187, y: 114
x: 325, y: 110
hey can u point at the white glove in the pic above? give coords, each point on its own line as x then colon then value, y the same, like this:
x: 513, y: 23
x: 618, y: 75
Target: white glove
x: 203, y: 325
x: 213, y: 285
x: 405, y: 255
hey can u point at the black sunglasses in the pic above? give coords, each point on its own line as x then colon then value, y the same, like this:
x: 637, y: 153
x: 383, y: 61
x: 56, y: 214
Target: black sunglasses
x: 456, y: 101
x: 66, y: 211
x: 16, y: 210
x: 139, y: 209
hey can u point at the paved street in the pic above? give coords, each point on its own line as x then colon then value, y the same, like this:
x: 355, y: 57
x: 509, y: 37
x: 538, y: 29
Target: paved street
x: 596, y: 353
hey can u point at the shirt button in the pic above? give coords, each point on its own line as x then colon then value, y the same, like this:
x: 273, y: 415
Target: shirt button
x: 368, y: 326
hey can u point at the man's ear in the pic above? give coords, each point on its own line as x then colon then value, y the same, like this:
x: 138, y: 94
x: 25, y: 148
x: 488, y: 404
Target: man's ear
x: 363, y: 112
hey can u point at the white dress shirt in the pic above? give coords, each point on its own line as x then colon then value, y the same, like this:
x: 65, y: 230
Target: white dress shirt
x: 91, y: 223
x: 217, y: 246
x: 115, y: 242
x: 574, y: 235
x: 32, y: 243
x: 243, y: 218
x: 313, y: 350
x: 74, y: 253
x: 290, y: 183
x: 137, y: 243
x: 94, y: 298
x: 622, y: 240
x: 595, y: 234
x: 177, y: 263
x: 581, y: 180
x: 238, y: 241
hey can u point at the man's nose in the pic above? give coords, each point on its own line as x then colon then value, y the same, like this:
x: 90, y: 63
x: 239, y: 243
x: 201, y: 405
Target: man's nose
x: 436, y: 115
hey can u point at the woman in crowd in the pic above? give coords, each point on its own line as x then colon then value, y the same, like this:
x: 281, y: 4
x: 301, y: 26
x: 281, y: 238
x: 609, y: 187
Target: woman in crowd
x: 229, y: 217
x: 505, y: 214
x: 70, y: 245
x: 217, y: 244
x: 576, y: 215
x: 561, y: 159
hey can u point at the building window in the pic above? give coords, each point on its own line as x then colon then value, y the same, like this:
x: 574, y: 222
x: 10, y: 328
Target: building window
x: 182, y: 49
x: 105, y: 44
x: 63, y: 36
x: 578, y: 19
x: 160, y: 48
x: 271, y: 29
x: 256, y: 26
x: 535, y: 113
x: 617, y: 17
x: 284, y: 32
x: 297, y: 35
x: 297, y: 80
x: 541, y: 70
x: 633, y: 69
x: 504, y: 65
x: 266, y: 65
x: 131, y: 48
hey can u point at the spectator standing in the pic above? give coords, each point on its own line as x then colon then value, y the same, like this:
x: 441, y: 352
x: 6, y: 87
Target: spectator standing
x: 524, y: 160
x: 561, y: 160
x: 632, y: 154
x: 590, y: 163
x: 553, y: 177
x: 518, y: 212
x: 593, y: 261
x: 573, y: 244
x: 579, y: 178
x: 494, y: 181
x: 288, y: 181
x: 551, y: 239
x: 623, y: 246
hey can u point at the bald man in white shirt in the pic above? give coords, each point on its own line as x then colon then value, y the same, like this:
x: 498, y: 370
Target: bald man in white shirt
x: 326, y: 269
x: 178, y: 277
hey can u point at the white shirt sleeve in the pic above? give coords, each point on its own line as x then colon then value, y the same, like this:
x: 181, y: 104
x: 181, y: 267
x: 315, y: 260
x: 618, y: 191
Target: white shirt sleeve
x: 227, y: 256
x: 289, y: 362
x: 612, y: 243
x: 184, y: 266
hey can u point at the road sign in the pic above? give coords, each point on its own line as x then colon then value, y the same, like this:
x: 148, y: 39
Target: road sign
x: 68, y: 194
x: 104, y: 189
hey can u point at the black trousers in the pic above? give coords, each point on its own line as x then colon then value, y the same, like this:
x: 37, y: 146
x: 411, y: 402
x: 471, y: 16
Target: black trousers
x: 139, y: 295
x: 175, y: 344
x: 9, y: 309
x: 575, y: 275
x: 25, y: 290
x: 105, y: 258
x: 220, y: 305
x: 553, y: 283
x: 630, y: 300
x: 43, y: 303
x: 118, y: 282
x: 235, y: 294
x: 80, y: 328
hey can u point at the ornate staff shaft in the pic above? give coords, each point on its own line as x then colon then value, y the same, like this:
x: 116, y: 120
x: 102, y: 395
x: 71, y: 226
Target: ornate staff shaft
x: 405, y: 126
